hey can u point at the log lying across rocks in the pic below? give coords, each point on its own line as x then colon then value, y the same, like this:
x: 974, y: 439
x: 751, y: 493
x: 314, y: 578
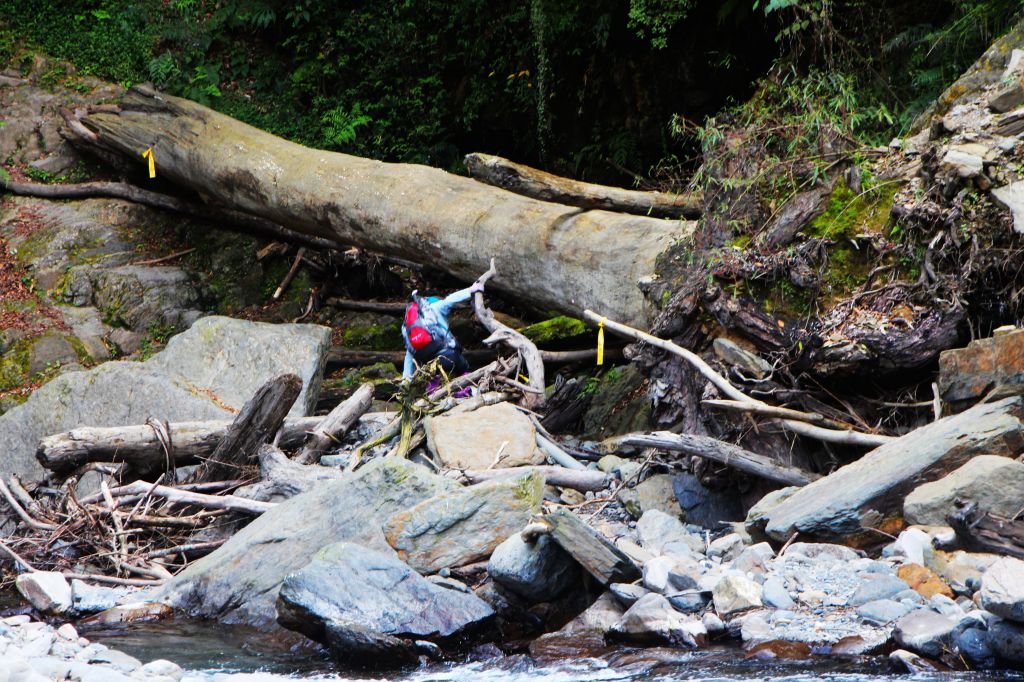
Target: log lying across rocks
x: 139, y: 447
x: 538, y: 184
x: 552, y: 255
x: 583, y: 480
x: 340, y: 420
x: 723, y: 453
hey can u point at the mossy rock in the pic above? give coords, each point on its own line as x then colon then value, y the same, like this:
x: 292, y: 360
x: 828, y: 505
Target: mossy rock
x: 561, y: 328
x: 14, y: 365
x: 383, y: 376
x: 370, y: 331
x: 849, y: 214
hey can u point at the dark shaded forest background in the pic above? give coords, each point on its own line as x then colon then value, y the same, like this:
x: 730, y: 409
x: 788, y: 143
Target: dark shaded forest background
x: 616, y: 91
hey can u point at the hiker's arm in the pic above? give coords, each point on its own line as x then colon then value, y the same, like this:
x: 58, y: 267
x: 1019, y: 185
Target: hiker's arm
x: 410, y: 366
x: 453, y: 299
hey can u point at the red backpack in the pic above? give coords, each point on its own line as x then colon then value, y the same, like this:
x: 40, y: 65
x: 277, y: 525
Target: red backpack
x: 426, y: 335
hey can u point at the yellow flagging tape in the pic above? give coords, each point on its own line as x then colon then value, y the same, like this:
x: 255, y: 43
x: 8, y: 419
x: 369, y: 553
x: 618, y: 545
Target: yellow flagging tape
x: 600, y: 341
x: 148, y: 154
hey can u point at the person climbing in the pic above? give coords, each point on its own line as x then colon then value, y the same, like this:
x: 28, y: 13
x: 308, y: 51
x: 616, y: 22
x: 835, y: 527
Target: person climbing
x: 427, y: 336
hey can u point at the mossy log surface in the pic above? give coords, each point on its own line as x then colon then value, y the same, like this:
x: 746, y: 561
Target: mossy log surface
x: 554, y: 256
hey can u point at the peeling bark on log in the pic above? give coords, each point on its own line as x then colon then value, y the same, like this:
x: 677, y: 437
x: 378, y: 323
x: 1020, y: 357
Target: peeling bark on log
x: 255, y: 424
x: 139, y: 446
x: 981, y: 531
x: 554, y: 256
x: 531, y: 182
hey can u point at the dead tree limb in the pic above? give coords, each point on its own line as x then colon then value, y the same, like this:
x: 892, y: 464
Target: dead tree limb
x: 583, y: 480
x: 526, y: 348
x: 139, y: 447
x: 235, y: 220
x: 255, y: 424
x: 343, y: 357
x: 340, y: 420
x: 228, y: 502
x: 282, y: 478
x: 723, y: 453
x: 538, y: 184
x: 847, y: 437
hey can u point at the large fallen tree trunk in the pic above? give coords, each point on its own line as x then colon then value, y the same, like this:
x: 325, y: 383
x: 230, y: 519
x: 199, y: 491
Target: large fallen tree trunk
x: 531, y: 182
x: 554, y: 256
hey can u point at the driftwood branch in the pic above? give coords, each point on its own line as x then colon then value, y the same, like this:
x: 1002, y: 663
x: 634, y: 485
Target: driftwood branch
x: 230, y: 219
x: 139, y: 447
x: 526, y: 348
x: 255, y: 424
x: 340, y: 420
x: 584, y: 480
x: 845, y: 437
x: 227, y: 502
x: 538, y: 184
x: 282, y: 478
x: 723, y: 453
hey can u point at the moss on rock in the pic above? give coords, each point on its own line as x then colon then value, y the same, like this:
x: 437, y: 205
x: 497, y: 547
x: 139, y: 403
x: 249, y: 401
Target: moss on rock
x: 561, y: 328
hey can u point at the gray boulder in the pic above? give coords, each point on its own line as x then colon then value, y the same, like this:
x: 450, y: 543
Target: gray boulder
x: 203, y: 374
x: 369, y: 608
x: 775, y: 595
x: 238, y: 582
x: 652, y: 620
x: 1002, y: 589
x: 872, y: 488
x: 465, y: 525
x: 883, y: 611
x: 112, y: 394
x: 662, y: 533
x: 537, y: 571
x: 232, y: 358
x: 925, y: 632
x: 1007, y: 641
x: 702, y: 506
x: 654, y: 492
x: 974, y: 645
x: 734, y: 594
x: 875, y: 586
x: 47, y: 591
x: 627, y: 593
x: 995, y: 484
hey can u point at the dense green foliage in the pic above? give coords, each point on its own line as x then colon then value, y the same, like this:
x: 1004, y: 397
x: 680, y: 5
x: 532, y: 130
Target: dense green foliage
x: 588, y: 88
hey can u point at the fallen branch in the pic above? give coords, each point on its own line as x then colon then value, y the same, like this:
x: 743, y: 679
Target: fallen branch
x: 526, y: 348
x: 778, y: 412
x: 723, y: 453
x: 846, y: 437
x: 227, y: 502
x: 290, y: 275
x: 191, y: 548
x: 24, y: 515
x: 583, y: 480
x: 335, y: 424
x: 344, y: 357
x: 538, y: 184
x: 558, y: 455
x: 255, y: 424
x: 237, y: 220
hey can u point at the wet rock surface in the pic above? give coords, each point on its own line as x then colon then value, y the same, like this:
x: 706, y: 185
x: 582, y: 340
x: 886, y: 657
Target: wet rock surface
x: 358, y: 601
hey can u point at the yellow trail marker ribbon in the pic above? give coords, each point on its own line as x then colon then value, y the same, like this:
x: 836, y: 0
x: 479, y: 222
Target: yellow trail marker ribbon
x: 600, y: 341
x: 148, y: 154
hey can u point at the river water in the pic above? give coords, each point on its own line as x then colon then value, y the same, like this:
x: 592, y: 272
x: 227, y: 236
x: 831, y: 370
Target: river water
x: 213, y: 648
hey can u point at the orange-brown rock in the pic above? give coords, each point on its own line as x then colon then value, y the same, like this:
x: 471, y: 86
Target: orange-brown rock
x: 924, y: 581
x: 996, y: 363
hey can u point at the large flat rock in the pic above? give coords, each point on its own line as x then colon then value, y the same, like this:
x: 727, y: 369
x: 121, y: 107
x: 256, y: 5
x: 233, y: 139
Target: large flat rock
x: 239, y: 582
x: 232, y: 358
x: 995, y: 484
x: 205, y: 373
x: 491, y: 437
x: 968, y: 374
x: 112, y: 394
x: 866, y: 492
x: 456, y: 528
x: 357, y: 601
